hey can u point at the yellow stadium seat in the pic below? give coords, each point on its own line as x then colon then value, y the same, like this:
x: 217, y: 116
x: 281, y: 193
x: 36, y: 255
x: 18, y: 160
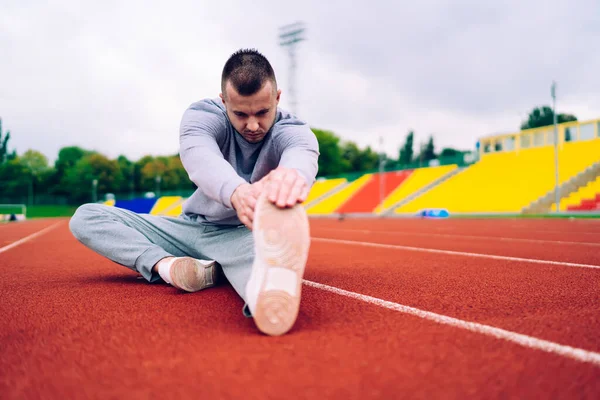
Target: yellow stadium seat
x: 416, y: 181
x: 164, y: 204
x: 322, y: 187
x: 507, y: 181
x: 331, y: 203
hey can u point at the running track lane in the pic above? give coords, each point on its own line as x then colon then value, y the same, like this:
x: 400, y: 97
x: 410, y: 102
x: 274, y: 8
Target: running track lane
x: 585, y: 253
x: 555, y: 303
x: 556, y: 229
x: 13, y: 231
x: 75, y: 325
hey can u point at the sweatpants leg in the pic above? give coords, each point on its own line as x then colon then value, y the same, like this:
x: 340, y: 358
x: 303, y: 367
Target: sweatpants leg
x: 233, y: 248
x: 137, y: 241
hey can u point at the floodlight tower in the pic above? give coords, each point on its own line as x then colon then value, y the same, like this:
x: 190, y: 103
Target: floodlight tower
x: 556, y: 184
x: 290, y: 36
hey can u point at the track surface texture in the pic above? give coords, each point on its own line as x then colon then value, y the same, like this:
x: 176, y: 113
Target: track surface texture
x: 391, y: 308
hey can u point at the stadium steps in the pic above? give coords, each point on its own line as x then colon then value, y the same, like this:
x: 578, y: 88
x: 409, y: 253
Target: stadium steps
x: 323, y: 189
x: 547, y: 201
x: 368, y: 197
x: 332, y: 202
x: 420, y: 179
x: 587, y: 205
x: 587, y: 195
x: 421, y: 191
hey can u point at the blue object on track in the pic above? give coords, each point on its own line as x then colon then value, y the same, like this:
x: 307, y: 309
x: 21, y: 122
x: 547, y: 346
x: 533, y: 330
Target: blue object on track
x: 434, y: 213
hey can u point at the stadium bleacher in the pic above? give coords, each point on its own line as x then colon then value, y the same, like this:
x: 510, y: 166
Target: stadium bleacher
x: 507, y: 181
x: 331, y: 203
x: 368, y: 198
x: 416, y: 181
x: 323, y: 186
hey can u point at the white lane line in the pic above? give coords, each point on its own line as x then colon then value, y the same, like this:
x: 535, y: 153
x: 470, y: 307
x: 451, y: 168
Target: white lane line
x: 518, y: 338
x: 451, y: 236
x: 454, y: 253
x: 563, y: 232
x: 28, y: 238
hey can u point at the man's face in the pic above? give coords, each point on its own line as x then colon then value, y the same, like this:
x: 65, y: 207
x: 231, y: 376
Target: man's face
x: 252, y: 116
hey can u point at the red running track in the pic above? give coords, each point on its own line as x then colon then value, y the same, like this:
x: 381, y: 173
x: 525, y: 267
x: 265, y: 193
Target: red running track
x: 75, y: 325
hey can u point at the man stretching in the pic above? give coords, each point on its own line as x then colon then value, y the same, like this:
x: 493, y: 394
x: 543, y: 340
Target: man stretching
x: 254, y: 165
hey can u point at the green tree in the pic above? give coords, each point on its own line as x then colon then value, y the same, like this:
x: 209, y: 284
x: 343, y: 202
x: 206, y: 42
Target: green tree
x: 5, y: 155
x: 35, y: 161
x: 16, y: 180
x: 67, y: 159
x: 127, y: 169
x: 330, y: 159
x: 93, y: 166
x: 427, y: 152
x: 150, y: 168
x: 357, y: 159
x: 351, y: 157
x: 38, y: 172
x: 450, y: 152
x: 544, y: 116
x: 407, y: 151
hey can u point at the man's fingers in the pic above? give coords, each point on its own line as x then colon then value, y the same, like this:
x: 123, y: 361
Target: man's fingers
x: 304, y: 195
x: 285, y: 188
x: 296, y: 192
x: 251, y: 202
x: 274, y: 185
x: 244, y: 219
x: 250, y: 213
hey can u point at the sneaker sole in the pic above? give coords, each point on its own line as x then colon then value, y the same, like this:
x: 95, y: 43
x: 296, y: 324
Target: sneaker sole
x: 282, y: 240
x: 189, y: 274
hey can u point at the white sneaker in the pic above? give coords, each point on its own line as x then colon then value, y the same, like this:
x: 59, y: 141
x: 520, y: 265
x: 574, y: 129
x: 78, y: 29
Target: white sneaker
x: 192, y: 275
x: 282, y: 241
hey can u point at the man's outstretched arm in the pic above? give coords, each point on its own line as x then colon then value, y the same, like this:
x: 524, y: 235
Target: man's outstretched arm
x: 290, y: 183
x: 200, y: 155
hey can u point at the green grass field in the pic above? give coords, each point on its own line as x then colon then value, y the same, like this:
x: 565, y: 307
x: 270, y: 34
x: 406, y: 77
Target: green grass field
x: 41, y: 211
x: 50, y: 211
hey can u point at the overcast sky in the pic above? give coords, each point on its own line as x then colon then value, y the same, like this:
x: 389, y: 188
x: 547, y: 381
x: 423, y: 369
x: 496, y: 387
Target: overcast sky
x: 116, y: 76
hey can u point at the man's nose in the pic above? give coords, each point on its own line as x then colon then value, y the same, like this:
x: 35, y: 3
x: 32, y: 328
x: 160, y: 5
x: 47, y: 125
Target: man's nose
x: 252, y: 124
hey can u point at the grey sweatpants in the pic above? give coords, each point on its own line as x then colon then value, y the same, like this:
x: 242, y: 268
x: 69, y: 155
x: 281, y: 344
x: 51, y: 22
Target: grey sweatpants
x: 139, y: 241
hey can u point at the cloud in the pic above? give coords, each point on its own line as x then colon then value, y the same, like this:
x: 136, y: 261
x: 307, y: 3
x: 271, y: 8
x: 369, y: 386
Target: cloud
x: 117, y: 76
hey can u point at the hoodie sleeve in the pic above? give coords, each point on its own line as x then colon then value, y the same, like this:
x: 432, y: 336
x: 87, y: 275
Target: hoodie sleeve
x: 299, y: 148
x: 203, y: 125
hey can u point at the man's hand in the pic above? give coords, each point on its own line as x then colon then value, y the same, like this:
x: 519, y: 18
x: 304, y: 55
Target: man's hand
x: 286, y: 187
x: 244, y: 199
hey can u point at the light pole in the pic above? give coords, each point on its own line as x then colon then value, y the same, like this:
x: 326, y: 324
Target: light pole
x: 95, y: 190
x: 158, y: 179
x: 381, y: 176
x: 290, y: 36
x: 556, y: 194
x: 30, y: 186
x: 30, y: 197
x: 132, y: 182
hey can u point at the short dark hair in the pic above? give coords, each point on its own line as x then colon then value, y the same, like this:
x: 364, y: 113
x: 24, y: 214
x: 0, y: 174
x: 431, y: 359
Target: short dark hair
x: 247, y: 70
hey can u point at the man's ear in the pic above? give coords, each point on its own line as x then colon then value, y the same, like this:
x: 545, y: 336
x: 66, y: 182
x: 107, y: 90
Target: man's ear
x: 222, y: 98
x: 278, y: 95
